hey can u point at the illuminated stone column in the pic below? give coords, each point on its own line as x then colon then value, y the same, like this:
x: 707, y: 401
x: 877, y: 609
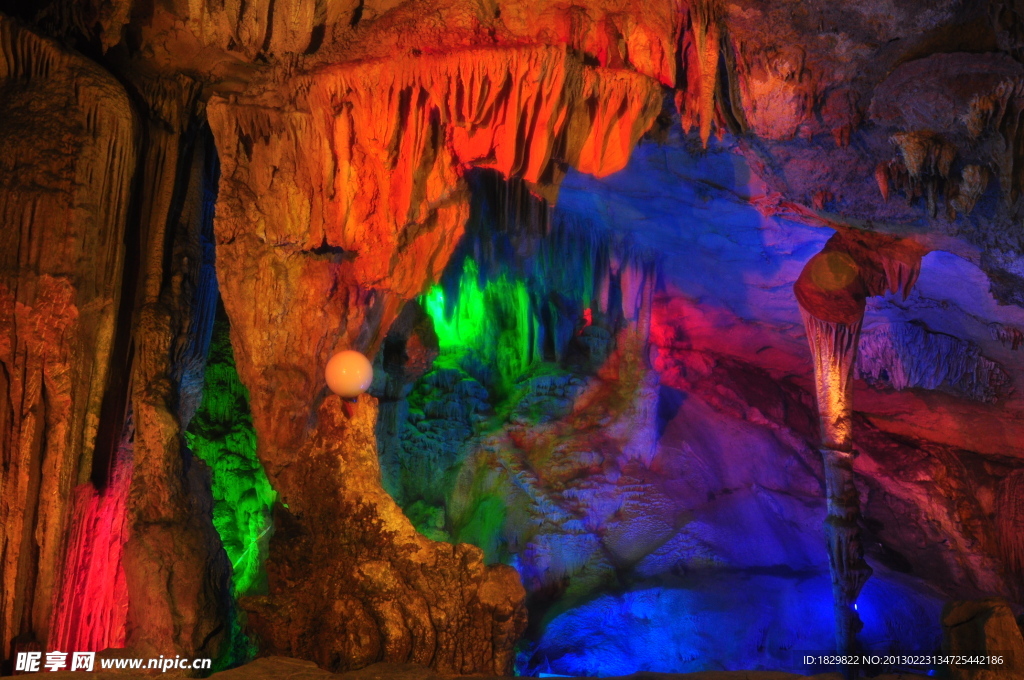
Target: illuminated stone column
x: 832, y: 292
x: 834, y: 350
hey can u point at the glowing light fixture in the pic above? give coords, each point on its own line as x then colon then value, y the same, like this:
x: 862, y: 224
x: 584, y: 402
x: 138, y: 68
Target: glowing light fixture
x: 349, y: 374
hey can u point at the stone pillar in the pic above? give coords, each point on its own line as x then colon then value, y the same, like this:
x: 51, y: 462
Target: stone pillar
x: 834, y: 350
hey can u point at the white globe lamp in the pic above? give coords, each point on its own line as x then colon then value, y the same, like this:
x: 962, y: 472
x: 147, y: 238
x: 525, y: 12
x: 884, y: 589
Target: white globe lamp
x: 349, y: 374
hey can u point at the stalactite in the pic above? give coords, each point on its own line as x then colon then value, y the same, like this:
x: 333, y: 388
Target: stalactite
x: 701, y: 47
x: 834, y: 349
x: 625, y: 110
x: 1010, y: 521
x: 904, y: 355
x: 927, y: 160
x: 496, y: 318
x: 707, y: 35
x: 566, y: 263
x: 1007, y: 335
x: 979, y: 121
x: 973, y: 182
x: 882, y: 178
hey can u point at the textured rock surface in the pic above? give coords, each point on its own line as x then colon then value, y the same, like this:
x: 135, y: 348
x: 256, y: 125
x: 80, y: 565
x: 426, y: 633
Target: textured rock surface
x: 175, y: 567
x: 985, y: 627
x: 346, y: 594
x: 66, y: 278
x: 334, y: 211
x: 61, y: 255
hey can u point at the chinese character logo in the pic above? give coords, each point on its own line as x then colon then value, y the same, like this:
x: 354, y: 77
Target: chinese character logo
x: 83, y: 661
x: 28, y: 662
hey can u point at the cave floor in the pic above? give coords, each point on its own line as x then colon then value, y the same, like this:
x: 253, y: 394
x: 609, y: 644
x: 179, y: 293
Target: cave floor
x: 283, y: 668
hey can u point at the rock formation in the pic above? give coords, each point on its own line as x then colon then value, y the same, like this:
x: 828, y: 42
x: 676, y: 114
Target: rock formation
x: 984, y: 628
x: 831, y: 291
x: 64, y: 216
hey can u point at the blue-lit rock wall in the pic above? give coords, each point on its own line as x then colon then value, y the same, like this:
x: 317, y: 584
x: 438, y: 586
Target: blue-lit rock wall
x: 663, y: 500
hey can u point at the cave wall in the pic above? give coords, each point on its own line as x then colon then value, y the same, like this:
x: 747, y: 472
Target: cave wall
x: 103, y: 194
x: 333, y: 215
x: 69, y: 140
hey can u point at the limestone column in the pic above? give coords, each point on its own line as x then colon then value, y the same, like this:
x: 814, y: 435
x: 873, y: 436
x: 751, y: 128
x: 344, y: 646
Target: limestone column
x: 832, y: 292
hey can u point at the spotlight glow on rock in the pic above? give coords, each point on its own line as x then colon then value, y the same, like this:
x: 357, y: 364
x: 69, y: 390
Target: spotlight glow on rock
x: 349, y: 373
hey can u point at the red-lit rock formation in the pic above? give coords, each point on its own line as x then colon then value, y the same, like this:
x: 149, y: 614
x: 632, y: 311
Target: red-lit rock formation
x: 68, y: 139
x: 92, y: 604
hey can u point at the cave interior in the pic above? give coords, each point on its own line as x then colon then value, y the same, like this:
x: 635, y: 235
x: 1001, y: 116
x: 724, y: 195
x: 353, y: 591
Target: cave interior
x: 696, y: 331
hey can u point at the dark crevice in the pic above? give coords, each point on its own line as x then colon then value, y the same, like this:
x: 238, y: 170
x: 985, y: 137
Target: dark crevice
x: 326, y: 248
x: 270, y: 28
x: 316, y: 38
x: 117, y: 393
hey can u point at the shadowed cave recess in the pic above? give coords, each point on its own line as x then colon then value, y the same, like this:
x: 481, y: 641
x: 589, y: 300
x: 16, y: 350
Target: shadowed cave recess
x: 696, y: 328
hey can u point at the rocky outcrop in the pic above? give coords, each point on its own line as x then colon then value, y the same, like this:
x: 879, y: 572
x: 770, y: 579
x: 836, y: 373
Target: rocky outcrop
x: 983, y: 628
x: 346, y: 594
x: 68, y: 134
x: 175, y: 568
